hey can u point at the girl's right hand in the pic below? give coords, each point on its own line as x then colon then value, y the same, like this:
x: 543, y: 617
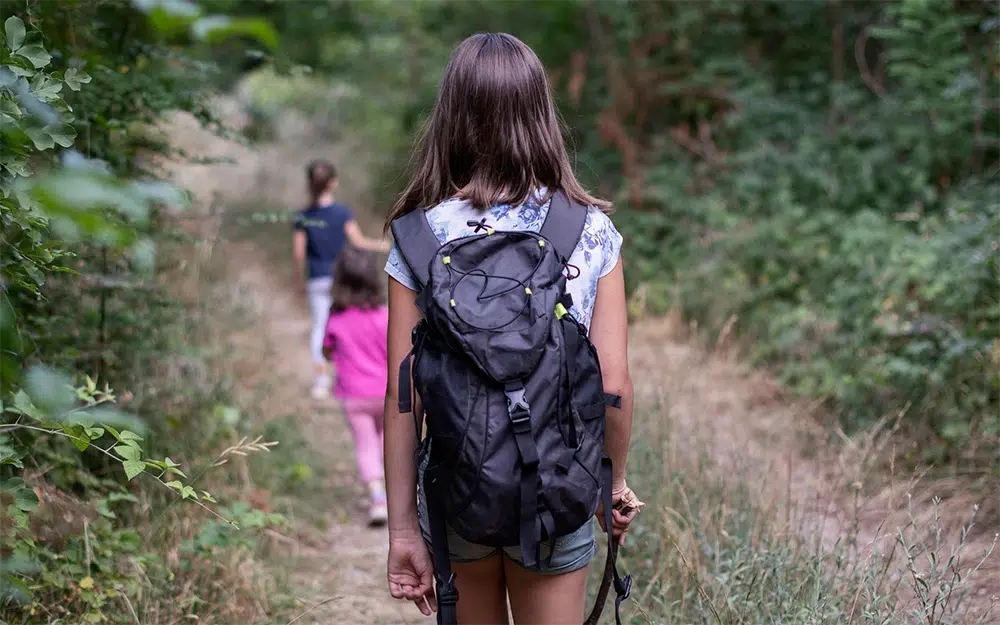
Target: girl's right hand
x: 625, y: 507
x: 411, y: 572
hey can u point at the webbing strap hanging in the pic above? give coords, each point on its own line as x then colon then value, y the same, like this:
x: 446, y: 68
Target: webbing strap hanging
x: 444, y: 579
x: 531, y: 525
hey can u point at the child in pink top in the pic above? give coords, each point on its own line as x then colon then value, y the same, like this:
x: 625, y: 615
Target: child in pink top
x: 355, y: 341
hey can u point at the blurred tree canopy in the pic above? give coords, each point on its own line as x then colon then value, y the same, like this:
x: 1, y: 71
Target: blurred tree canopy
x: 821, y: 175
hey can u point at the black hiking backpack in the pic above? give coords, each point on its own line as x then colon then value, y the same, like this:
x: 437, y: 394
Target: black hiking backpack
x: 512, y: 392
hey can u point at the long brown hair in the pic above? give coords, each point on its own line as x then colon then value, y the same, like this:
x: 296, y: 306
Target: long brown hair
x: 494, y: 135
x: 356, y: 280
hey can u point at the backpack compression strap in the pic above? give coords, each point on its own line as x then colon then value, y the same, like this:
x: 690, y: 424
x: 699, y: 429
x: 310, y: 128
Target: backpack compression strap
x: 417, y: 242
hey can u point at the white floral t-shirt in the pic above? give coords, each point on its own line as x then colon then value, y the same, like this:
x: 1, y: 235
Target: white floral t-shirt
x: 595, y: 256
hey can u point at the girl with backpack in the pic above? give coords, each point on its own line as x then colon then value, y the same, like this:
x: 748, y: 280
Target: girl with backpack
x: 506, y: 286
x: 355, y: 343
x: 321, y: 231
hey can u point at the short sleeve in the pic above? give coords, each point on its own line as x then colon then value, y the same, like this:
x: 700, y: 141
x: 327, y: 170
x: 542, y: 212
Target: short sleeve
x: 611, y: 244
x: 397, y: 269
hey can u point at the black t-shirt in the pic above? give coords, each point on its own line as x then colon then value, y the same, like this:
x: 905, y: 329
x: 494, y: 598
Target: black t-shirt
x: 325, y: 237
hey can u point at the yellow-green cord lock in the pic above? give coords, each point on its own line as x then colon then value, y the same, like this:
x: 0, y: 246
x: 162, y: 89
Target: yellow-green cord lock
x: 541, y: 243
x: 452, y: 302
x: 527, y: 290
x: 560, y: 311
x: 446, y: 260
x: 490, y: 231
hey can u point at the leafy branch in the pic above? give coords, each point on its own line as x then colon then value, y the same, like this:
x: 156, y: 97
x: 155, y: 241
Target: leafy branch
x: 83, y: 429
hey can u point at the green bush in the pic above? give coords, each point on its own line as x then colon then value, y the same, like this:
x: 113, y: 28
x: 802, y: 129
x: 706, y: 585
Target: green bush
x: 87, y: 491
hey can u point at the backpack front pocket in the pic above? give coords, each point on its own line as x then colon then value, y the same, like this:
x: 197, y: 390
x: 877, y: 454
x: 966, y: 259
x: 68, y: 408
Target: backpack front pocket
x: 456, y: 422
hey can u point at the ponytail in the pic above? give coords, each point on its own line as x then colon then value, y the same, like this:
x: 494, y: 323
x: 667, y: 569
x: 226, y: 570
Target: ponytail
x: 320, y: 174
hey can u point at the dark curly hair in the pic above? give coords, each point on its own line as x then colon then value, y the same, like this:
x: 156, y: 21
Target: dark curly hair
x: 357, y: 280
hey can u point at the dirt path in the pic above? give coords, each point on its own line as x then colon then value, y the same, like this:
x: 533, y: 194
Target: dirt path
x: 341, y: 570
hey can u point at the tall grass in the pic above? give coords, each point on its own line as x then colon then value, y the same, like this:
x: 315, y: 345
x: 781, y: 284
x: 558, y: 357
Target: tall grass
x: 709, y: 549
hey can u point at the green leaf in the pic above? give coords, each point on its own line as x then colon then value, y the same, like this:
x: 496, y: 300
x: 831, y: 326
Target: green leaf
x: 207, y: 496
x: 62, y: 134
x: 127, y: 452
x: 13, y: 590
x: 9, y: 107
x: 14, y: 30
x: 133, y: 468
x: 78, y: 436
x: 23, y: 406
x: 127, y: 435
x: 188, y: 493
x: 46, y: 89
x: 19, y: 563
x: 23, y: 72
x: 174, y: 484
x: 75, y: 78
x: 50, y: 390
x: 10, y: 455
x: 37, y: 55
x: 95, y: 433
x: 41, y: 139
x: 25, y: 499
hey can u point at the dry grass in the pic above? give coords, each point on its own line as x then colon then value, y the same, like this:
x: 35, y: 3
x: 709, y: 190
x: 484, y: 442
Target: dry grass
x: 758, y: 518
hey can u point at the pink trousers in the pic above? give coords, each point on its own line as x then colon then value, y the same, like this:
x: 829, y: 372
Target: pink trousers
x: 366, y: 418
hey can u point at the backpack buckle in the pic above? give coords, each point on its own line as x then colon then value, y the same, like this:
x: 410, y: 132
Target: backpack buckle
x: 517, y: 406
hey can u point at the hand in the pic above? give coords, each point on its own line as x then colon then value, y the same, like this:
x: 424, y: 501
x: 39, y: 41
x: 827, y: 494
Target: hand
x: 411, y: 573
x: 625, y: 507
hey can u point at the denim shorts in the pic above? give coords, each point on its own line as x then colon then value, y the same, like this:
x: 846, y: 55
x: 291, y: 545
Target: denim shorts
x: 569, y: 553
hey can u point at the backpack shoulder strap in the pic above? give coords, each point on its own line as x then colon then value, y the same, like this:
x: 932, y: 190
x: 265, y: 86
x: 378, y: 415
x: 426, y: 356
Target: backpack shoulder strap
x: 416, y: 241
x: 564, y: 224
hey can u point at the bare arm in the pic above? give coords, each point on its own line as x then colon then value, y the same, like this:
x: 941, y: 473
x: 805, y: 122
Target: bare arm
x: 609, y: 334
x: 400, y: 435
x: 356, y: 238
x: 299, y: 252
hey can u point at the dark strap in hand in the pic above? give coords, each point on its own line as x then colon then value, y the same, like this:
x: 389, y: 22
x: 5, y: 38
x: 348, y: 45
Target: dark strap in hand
x: 623, y: 586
